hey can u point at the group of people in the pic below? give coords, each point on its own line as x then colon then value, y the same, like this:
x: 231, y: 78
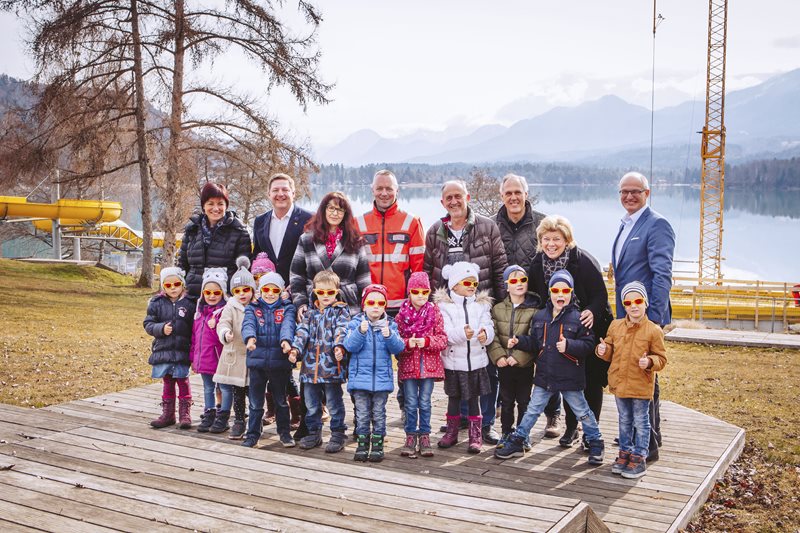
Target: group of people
x: 508, y: 311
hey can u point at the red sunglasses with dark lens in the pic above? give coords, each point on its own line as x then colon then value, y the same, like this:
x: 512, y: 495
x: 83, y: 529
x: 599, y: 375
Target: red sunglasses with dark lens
x: 176, y: 284
x: 468, y: 283
x: 514, y: 281
x: 273, y: 290
x: 326, y: 292
x: 241, y: 290
x: 379, y: 303
x: 420, y: 292
x: 637, y: 301
x: 212, y: 293
x: 556, y: 290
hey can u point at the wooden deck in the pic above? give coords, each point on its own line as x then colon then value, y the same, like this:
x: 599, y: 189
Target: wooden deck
x: 94, y: 464
x: 756, y: 339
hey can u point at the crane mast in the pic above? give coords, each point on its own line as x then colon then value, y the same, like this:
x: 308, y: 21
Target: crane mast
x: 712, y: 151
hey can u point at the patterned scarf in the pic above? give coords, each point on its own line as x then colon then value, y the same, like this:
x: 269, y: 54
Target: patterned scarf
x: 413, y: 323
x: 333, y: 239
x: 207, y: 231
x: 552, y: 265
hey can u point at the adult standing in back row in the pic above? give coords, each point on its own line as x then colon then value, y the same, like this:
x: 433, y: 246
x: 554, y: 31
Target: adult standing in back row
x: 464, y: 235
x: 643, y: 251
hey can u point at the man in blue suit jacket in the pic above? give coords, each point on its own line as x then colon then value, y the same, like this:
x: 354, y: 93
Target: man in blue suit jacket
x: 643, y: 251
x: 277, y: 231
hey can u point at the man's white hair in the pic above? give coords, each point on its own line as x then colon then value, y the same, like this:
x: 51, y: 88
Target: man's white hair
x: 522, y: 181
x: 460, y: 183
x: 639, y: 176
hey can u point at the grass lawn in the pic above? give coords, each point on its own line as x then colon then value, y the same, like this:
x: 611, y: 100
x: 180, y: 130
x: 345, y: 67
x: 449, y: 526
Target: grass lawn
x: 73, y: 332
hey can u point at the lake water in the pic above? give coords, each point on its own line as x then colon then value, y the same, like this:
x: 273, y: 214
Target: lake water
x: 761, y: 238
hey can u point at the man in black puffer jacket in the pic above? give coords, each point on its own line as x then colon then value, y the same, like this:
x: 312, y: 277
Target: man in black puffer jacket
x: 213, y: 238
x: 517, y: 221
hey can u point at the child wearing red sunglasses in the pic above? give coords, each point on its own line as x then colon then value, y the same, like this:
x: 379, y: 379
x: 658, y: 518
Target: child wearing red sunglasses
x: 169, y: 322
x: 635, y: 348
x: 371, y: 340
x: 419, y: 365
x: 206, y: 349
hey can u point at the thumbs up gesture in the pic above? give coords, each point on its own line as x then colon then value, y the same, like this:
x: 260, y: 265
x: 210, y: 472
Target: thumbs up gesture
x: 513, y: 341
x: 469, y: 332
x: 561, y: 345
x: 644, y: 362
x: 385, y: 331
x: 602, y: 347
x: 363, y: 326
x: 482, y: 336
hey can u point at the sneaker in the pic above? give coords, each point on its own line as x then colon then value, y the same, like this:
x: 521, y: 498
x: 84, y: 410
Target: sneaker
x: 489, y: 435
x: 553, y: 427
x: 336, y: 442
x: 526, y: 445
x: 425, y: 448
x: 287, y: 440
x: 237, y: 430
x: 503, y: 438
x: 410, y: 448
x: 312, y: 440
x: 621, y: 462
x: 249, y: 442
x: 512, y: 448
x: 584, y: 444
x: 596, y: 452
x: 636, y: 467
x: 569, y: 438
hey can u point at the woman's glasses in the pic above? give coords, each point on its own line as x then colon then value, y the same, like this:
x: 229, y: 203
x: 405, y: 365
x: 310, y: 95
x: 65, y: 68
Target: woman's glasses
x: 556, y: 290
x: 273, y: 290
x: 326, y: 292
x: 176, y: 284
x: 212, y: 293
x: 420, y: 292
x: 468, y: 283
x: 637, y: 301
x: 372, y: 303
x: 333, y: 210
x: 241, y: 290
x: 514, y: 281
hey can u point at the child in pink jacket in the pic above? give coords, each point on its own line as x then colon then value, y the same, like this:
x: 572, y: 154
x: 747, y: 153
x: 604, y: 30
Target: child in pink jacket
x: 419, y: 365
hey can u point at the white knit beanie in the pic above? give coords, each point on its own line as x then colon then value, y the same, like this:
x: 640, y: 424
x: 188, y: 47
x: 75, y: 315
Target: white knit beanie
x: 271, y: 278
x: 173, y: 271
x: 459, y: 271
x: 215, y: 275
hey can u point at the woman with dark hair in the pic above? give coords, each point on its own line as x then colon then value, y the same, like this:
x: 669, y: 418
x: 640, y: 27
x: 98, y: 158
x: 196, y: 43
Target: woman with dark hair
x: 331, y: 242
x: 215, y: 237
x: 558, y: 250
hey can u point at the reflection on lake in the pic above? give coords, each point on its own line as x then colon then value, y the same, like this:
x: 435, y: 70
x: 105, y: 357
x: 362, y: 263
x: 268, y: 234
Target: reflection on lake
x: 761, y: 239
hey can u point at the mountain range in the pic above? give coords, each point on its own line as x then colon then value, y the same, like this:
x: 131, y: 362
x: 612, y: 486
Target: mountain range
x: 762, y: 121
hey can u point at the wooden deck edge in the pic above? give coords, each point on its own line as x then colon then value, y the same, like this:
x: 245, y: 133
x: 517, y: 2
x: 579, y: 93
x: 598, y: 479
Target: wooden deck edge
x: 701, y: 494
x: 582, y: 519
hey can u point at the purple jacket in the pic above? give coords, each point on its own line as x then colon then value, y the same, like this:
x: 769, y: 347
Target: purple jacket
x: 206, y: 347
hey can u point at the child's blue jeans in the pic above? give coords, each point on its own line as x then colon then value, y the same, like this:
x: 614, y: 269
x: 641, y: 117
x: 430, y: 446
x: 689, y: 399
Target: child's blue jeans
x: 417, y: 393
x: 333, y: 400
x: 370, y: 410
x: 539, y: 399
x: 634, y: 425
x: 209, y: 397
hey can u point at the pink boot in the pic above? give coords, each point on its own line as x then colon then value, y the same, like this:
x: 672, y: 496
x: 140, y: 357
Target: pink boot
x: 475, y: 434
x: 167, y: 417
x: 451, y: 434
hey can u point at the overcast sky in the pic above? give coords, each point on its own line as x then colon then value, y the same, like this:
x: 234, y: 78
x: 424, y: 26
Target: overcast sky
x: 402, y: 66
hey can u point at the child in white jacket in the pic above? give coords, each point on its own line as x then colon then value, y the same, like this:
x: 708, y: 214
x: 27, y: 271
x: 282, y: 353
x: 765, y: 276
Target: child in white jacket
x: 469, y: 328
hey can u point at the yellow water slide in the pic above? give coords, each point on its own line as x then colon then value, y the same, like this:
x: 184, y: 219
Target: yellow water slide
x: 117, y: 230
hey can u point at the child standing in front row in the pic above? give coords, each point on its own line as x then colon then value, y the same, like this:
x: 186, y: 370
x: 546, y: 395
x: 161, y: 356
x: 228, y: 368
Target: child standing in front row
x: 635, y: 347
x: 232, y: 366
x: 512, y: 317
x: 318, y: 341
x: 561, y: 344
x: 169, y: 322
x: 268, y: 330
x: 468, y: 325
x: 419, y: 365
x: 206, y: 349
x: 371, y: 339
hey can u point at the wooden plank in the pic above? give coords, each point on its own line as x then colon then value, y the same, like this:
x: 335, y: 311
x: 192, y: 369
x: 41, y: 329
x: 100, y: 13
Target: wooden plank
x: 25, y: 516
x: 38, y: 418
x: 10, y: 527
x: 581, y: 520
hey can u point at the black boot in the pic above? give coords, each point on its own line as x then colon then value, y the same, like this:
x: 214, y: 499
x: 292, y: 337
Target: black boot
x: 207, y: 420
x: 376, y: 453
x: 569, y: 437
x: 239, y: 427
x: 220, y: 424
x: 362, y: 452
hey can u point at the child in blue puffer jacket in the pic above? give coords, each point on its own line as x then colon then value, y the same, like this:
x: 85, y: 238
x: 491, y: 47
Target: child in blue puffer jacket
x: 372, y: 338
x: 268, y: 329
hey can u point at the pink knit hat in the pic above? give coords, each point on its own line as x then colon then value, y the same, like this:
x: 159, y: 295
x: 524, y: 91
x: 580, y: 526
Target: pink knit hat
x: 419, y: 280
x: 262, y: 264
x: 375, y: 287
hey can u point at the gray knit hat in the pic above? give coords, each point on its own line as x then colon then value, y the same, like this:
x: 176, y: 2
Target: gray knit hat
x: 243, y: 277
x: 634, y: 286
x: 271, y: 278
x: 215, y: 275
x: 510, y: 269
x: 173, y: 271
x: 562, y: 275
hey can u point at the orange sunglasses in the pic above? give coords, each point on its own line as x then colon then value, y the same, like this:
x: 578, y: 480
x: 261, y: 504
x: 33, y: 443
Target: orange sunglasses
x: 379, y: 303
x: 176, y: 284
x: 326, y: 292
x: 273, y: 290
x: 556, y: 290
x: 212, y: 293
x: 514, y: 281
x: 468, y: 283
x: 420, y: 292
x: 637, y: 301
x: 241, y: 290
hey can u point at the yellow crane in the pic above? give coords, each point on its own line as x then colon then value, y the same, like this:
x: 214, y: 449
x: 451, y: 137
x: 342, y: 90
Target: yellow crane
x: 712, y: 151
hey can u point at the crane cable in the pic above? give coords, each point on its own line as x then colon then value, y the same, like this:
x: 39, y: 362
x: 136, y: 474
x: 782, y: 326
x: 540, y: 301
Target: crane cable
x: 657, y: 20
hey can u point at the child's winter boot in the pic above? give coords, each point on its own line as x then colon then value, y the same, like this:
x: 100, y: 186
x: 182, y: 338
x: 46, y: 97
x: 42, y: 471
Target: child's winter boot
x: 220, y: 424
x: 475, y: 438
x: 451, y: 433
x: 206, y: 420
x: 184, y: 413
x: 167, y: 417
x: 362, y: 451
x: 376, y: 453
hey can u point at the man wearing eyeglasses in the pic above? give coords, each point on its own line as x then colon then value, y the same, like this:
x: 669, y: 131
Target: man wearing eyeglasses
x: 277, y: 231
x: 643, y: 251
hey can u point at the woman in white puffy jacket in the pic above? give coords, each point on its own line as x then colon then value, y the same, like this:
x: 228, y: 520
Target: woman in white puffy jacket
x: 468, y: 325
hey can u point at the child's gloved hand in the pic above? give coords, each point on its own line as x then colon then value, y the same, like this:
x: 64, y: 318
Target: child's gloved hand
x: 293, y: 353
x: 482, y: 336
x: 338, y: 353
x: 251, y: 344
x: 561, y: 345
x: 168, y: 328
x: 644, y: 362
x: 513, y: 341
x: 385, y: 331
x: 602, y: 347
x: 363, y: 326
x: 469, y: 332
x: 285, y: 346
x: 228, y: 336
x: 511, y: 361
